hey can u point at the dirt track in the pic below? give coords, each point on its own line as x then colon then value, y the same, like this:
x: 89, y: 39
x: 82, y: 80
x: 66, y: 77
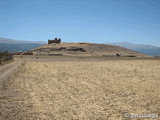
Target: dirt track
x: 72, y: 88
x: 7, y: 69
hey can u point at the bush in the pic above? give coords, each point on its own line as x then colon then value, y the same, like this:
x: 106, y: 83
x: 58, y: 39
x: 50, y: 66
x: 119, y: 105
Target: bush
x: 5, y: 57
x: 131, y: 56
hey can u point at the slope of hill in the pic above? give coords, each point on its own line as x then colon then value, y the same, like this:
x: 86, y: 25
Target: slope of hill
x: 16, y: 45
x: 143, y: 48
x: 88, y: 49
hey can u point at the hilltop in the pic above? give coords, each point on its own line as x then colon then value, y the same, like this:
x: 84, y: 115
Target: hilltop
x: 85, y: 49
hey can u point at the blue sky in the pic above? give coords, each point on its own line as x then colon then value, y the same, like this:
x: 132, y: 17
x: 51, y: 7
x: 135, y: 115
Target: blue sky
x: 96, y: 21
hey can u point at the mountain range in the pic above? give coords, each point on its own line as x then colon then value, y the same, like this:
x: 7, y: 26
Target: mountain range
x: 17, y: 45
x: 142, y: 48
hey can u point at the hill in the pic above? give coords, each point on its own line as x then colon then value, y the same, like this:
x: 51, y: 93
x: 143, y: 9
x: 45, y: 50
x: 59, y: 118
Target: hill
x: 16, y: 45
x: 142, y: 48
x: 85, y: 49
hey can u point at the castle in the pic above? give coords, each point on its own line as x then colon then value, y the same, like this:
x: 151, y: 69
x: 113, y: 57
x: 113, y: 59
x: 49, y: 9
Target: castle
x: 54, y: 41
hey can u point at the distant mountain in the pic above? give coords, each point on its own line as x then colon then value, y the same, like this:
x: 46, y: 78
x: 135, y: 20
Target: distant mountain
x: 11, y: 41
x: 142, y: 48
x: 16, y: 45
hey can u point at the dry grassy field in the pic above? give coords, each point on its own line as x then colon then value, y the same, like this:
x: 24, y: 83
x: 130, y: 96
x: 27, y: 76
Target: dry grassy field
x: 81, y: 89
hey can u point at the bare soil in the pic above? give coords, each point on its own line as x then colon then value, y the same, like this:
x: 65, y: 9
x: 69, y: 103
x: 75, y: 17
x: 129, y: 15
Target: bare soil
x: 80, y: 88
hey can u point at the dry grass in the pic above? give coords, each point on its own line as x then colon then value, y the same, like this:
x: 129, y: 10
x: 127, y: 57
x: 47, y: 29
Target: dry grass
x: 91, y: 49
x: 92, y: 90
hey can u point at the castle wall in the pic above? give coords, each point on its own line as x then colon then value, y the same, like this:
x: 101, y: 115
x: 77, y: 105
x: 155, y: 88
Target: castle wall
x: 54, y: 41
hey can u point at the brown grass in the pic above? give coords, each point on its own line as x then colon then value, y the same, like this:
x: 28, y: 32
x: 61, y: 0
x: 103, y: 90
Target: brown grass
x: 91, y: 90
x: 91, y: 49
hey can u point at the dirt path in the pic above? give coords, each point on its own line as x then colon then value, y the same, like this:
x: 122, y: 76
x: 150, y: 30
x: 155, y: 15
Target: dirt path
x: 7, y: 69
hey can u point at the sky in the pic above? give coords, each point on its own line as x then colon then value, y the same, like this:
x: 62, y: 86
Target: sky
x: 95, y: 21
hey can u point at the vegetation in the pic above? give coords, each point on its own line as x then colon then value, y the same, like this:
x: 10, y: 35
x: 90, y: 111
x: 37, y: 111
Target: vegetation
x: 131, y: 56
x: 86, y: 49
x: 82, y: 89
x: 5, y: 57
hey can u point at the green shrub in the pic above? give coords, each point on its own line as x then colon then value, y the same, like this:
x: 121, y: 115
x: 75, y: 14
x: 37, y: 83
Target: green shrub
x: 5, y: 57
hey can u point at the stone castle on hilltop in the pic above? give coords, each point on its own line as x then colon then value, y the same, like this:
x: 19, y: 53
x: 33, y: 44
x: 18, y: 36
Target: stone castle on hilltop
x: 54, y: 41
